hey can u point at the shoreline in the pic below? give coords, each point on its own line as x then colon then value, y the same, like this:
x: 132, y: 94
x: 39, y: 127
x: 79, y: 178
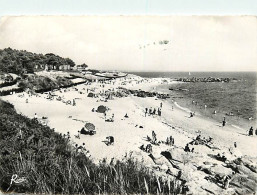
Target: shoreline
x: 184, y: 103
x: 129, y: 135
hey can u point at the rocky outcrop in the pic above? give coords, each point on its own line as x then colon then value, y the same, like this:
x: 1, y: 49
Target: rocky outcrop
x: 206, y: 79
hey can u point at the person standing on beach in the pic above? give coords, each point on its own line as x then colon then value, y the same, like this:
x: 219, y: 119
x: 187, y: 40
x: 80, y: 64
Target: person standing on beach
x: 250, y: 131
x: 150, y: 111
x: 146, y: 109
x: 227, y: 180
x: 161, y: 104
x: 224, y: 122
x: 78, y: 136
x: 187, y: 149
x: 105, y: 115
x: 154, y: 139
x: 159, y: 112
x: 154, y: 111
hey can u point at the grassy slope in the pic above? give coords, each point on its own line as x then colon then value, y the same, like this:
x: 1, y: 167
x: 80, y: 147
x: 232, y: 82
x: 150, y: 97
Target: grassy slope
x: 49, y: 164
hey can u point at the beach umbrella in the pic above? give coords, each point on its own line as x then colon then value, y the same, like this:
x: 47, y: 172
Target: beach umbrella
x: 90, y: 126
x: 101, y: 109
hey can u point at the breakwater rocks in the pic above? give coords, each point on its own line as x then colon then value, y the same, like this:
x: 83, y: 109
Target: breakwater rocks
x: 141, y: 93
x: 206, y: 79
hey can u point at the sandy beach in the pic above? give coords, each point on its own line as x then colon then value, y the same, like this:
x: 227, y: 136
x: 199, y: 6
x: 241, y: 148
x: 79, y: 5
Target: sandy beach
x: 131, y: 132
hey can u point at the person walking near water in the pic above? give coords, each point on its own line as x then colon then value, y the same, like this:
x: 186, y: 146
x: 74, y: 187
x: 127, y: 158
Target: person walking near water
x: 224, y: 122
x: 250, y: 131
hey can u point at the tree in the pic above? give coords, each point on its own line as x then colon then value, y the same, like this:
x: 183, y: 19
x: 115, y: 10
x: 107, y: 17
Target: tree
x: 20, y: 61
x: 70, y: 62
x: 165, y: 41
x: 84, y: 65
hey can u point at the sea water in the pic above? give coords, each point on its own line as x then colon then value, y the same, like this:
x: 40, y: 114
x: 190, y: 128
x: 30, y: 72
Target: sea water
x: 237, y: 96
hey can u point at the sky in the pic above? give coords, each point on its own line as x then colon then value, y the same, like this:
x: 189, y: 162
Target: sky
x: 135, y: 43
x: 117, y: 7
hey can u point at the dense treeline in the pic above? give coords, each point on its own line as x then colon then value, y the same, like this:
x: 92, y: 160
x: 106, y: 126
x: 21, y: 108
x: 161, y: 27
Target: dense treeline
x: 36, y: 159
x: 22, y: 61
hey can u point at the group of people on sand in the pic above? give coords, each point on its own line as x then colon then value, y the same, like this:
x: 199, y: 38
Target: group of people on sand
x: 108, y: 119
x: 223, y: 180
x: 148, y: 148
x: 187, y: 149
x: 109, y: 140
x: 153, y: 111
x: 170, y: 141
x: 153, y: 140
x: 201, y: 140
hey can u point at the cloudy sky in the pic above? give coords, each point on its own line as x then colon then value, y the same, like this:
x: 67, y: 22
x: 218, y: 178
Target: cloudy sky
x: 195, y: 43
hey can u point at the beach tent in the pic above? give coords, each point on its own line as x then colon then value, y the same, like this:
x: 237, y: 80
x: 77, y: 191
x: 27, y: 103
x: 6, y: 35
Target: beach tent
x: 90, y: 95
x: 101, y: 109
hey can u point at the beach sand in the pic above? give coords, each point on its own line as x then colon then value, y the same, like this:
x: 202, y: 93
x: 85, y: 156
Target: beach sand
x: 129, y: 137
